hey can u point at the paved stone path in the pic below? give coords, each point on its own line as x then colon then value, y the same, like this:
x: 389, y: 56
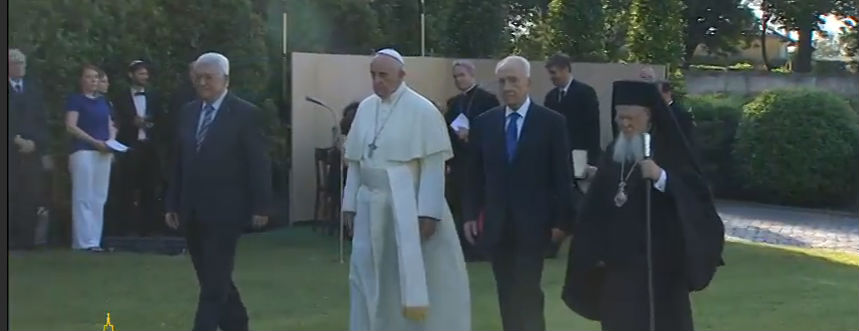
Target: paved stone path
x: 792, y: 227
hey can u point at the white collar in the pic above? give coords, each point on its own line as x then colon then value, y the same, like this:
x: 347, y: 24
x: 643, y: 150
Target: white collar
x: 567, y: 87
x: 218, y: 101
x: 135, y: 89
x: 14, y: 81
x: 522, y: 111
x: 469, y: 89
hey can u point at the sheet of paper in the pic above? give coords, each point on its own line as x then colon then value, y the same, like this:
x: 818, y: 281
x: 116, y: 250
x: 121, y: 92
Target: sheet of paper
x: 580, y: 162
x: 116, y: 146
x: 459, y: 123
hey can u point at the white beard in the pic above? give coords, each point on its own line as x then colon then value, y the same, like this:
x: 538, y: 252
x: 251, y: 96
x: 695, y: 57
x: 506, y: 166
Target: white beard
x: 628, y: 149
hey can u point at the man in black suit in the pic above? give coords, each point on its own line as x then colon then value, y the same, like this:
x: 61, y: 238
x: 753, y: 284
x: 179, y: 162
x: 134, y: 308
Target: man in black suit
x: 520, y: 172
x: 578, y: 102
x: 221, y: 184
x: 470, y: 103
x: 139, y: 119
x: 28, y: 141
x: 685, y: 119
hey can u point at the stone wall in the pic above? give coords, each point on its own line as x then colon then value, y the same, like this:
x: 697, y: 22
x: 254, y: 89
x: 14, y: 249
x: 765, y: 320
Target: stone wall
x: 751, y: 82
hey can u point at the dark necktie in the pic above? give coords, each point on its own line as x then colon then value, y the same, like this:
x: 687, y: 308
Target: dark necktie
x: 139, y: 93
x: 561, y: 94
x: 512, y: 135
x: 208, y: 118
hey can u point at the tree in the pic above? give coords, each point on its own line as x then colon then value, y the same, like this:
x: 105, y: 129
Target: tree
x: 827, y: 47
x: 475, y: 28
x: 529, y: 30
x: 576, y: 28
x: 616, y: 28
x: 805, y: 17
x: 656, y: 31
x: 720, y: 25
x: 399, y: 21
x: 849, y: 41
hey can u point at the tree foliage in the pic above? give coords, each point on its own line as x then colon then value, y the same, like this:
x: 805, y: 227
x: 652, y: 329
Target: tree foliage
x: 475, y: 29
x: 399, y: 21
x: 805, y: 17
x: 720, y: 25
x: 577, y: 29
x: 656, y: 31
x: 616, y: 28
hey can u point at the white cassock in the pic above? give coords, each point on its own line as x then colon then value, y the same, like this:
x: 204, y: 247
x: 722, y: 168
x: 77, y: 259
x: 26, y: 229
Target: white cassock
x: 392, y: 272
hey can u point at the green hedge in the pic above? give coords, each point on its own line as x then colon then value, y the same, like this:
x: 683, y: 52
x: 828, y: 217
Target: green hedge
x: 799, y: 147
x: 716, y: 117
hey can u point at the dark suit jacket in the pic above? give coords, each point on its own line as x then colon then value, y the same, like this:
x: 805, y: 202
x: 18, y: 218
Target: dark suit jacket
x: 125, y: 112
x: 26, y: 115
x: 473, y: 103
x: 582, y: 109
x: 532, y: 194
x: 229, y: 179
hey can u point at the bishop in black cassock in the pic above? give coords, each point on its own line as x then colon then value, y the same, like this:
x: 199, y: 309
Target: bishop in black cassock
x: 607, y: 271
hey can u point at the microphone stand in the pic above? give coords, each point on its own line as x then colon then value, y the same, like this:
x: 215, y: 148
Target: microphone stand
x: 334, y: 146
x: 648, y: 239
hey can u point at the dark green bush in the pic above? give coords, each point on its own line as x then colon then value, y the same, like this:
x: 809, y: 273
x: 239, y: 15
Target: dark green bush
x: 716, y: 118
x: 799, y: 147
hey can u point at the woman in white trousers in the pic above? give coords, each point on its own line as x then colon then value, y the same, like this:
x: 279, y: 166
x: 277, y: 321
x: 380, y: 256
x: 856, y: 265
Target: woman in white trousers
x: 88, y: 121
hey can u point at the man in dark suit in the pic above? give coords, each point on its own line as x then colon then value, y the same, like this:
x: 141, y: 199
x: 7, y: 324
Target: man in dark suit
x: 682, y: 115
x: 578, y: 102
x: 470, y: 103
x: 28, y: 141
x: 139, y: 119
x: 520, y: 172
x: 221, y: 184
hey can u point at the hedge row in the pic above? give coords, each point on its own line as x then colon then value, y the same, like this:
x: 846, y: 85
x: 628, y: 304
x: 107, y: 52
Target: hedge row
x: 789, y: 146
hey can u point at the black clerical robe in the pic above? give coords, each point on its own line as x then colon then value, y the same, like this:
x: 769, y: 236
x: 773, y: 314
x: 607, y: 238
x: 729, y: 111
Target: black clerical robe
x: 606, y: 276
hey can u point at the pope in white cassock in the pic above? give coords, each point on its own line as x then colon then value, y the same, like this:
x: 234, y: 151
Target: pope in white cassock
x: 407, y: 271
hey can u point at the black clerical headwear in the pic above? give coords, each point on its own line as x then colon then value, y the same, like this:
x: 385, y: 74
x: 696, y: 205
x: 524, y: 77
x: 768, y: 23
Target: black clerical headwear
x: 668, y: 145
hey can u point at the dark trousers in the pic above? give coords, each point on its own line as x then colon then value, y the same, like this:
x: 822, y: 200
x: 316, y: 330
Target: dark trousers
x: 138, y: 179
x: 518, y: 271
x: 25, y: 189
x: 213, y: 250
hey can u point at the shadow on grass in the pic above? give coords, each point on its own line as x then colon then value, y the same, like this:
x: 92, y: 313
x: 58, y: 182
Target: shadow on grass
x: 290, y: 279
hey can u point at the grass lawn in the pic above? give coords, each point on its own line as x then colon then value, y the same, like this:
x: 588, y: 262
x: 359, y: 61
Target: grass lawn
x: 290, y: 280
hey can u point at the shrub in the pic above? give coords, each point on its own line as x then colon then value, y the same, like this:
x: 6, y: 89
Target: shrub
x: 799, y: 147
x: 716, y: 118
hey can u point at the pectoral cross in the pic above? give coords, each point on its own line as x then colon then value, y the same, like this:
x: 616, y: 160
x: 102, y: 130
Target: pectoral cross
x: 372, y: 147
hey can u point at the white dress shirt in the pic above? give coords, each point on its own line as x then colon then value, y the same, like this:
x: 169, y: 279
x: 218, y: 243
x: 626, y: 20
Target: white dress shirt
x: 659, y: 184
x: 216, y: 105
x: 140, y: 108
x: 522, y: 111
x: 562, y: 91
x: 17, y: 84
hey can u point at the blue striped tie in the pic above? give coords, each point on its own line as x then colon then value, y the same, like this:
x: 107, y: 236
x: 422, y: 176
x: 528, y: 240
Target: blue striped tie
x: 208, y: 118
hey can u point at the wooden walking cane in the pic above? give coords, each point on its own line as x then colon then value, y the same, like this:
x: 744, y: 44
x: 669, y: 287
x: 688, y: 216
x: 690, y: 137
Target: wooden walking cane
x: 648, y: 239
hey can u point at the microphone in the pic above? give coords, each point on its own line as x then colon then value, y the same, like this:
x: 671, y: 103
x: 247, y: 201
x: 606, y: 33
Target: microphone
x: 333, y: 117
x: 317, y: 102
x: 647, y: 152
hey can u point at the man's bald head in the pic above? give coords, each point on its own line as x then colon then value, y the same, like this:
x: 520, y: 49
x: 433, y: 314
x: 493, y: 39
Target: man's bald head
x: 387, y: 74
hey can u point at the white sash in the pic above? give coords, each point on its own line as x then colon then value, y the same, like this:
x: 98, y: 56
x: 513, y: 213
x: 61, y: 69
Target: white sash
x: 413, y: 283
